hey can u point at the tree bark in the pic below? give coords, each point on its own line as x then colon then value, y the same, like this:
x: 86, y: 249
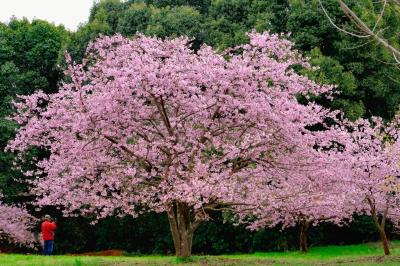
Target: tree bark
x: 303, y: 235
x: 380, y: 226
x: 182, y: 224
x: 385, y: 242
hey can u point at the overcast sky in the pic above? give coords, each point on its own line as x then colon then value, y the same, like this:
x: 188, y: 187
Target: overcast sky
x: 67, y: 12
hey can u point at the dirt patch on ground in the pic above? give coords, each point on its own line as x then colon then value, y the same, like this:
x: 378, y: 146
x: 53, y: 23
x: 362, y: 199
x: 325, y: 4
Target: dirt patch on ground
x: 203, y: 262
x: 215, y: 261
x: 109, y: 252
x: 369, y: 260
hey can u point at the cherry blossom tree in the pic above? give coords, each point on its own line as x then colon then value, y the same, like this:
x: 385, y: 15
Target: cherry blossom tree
x: 149, y: 124
x: 375, y: 171
x: 305, y: 205
x: 318, y: 195
x: 360, y: 178
x: 16, y: 226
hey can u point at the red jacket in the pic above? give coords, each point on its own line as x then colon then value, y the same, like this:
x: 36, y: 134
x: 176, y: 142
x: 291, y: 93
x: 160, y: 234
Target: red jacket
x: 48, y: 229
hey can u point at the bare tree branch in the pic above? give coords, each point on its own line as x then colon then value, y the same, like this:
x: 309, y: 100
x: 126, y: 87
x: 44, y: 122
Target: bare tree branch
x: 361, y: 25
x: 336, y: 26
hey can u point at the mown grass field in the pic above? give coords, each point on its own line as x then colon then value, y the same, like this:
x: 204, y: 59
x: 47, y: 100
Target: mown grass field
x: 365, y: 254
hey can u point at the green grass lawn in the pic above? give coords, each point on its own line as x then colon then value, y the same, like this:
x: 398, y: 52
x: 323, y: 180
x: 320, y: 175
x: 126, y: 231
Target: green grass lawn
x: 365, y: 254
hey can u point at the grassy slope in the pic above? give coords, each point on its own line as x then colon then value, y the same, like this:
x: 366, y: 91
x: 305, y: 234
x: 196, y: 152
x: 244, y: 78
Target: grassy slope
x: 366, y: 254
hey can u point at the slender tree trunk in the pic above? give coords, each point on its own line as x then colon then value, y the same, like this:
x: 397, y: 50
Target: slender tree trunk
x: 380, y: 226
x: 303, y: 235
x: 182, y: 225
x: 385, y: 242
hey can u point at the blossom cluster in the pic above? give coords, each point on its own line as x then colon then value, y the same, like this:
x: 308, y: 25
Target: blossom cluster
x: 16, y: 226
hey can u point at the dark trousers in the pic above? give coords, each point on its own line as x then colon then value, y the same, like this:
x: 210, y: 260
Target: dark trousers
x: 48, y: 247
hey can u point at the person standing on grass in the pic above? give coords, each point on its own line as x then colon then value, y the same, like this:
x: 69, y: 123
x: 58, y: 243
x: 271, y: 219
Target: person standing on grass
x: 48, y: 228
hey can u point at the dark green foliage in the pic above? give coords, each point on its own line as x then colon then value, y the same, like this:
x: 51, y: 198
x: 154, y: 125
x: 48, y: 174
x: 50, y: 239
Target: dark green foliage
x: 217, y: 237
x: 360, y: 230
x: 176, y: 21
x: 28, y: 58
x: 135, y: 19
x: 149, y: 234
x: 112, y: 10
x: 228, y: 21
x: 376, y: 90
x: 311, y: 28
x: 201, y: 5
x: 330, y: 71
x: 28, y: 61
x: 74, y: 236
x: 275, y: 240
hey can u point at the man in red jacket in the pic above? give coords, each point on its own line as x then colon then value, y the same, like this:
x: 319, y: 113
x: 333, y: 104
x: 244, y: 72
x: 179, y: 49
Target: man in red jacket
x: 48, y: 228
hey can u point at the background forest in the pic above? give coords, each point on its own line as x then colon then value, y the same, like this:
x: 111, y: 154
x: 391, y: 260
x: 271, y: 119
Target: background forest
x: 368, y: 83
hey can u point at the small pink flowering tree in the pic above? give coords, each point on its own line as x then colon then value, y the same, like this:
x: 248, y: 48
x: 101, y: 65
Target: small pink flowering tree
x: 148, y: 124
x: 362, y: 177
x: 16, y: 226
x: 375, y: 172
x: 317, y: 195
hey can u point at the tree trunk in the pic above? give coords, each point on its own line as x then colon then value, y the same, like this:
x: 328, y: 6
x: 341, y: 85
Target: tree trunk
x: 182, y: 225
x: 303, y: 236
x: 385, y: 242
x: 380, y: 225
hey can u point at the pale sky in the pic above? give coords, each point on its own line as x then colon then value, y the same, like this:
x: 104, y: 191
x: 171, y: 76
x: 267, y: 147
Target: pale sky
x: 70, y: 13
